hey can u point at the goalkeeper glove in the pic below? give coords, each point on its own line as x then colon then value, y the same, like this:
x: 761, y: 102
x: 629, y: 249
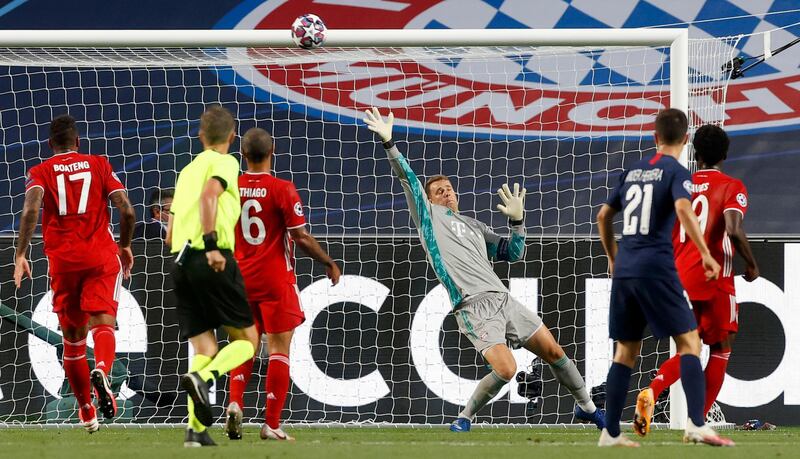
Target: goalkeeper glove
x: 376, y: 124
x: 513, y: 205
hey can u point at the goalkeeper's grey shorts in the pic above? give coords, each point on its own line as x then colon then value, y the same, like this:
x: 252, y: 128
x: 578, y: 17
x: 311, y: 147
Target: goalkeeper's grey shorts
x: 496, y: 318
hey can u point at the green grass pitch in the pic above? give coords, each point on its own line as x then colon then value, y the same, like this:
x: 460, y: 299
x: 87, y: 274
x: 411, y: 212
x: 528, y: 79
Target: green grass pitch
x: 381, y: 443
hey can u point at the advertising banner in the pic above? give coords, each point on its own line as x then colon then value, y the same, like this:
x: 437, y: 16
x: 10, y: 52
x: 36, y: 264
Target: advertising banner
x: 383, y: 347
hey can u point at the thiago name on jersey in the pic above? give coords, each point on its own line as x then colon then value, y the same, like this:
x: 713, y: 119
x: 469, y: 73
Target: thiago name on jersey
x: 73, y: 167
x: 253, y: 192
x: 650, y: 175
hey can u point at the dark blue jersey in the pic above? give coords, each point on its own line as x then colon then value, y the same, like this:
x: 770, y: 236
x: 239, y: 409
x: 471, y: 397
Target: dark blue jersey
x: 646, y: 195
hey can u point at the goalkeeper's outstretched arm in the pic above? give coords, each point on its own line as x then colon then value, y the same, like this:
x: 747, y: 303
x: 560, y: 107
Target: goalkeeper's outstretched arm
x: 414, y: 191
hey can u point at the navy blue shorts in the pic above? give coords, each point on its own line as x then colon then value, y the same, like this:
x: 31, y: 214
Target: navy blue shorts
x: 638, y: 302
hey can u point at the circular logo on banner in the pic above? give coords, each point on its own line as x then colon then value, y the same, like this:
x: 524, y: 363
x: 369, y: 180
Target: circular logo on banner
x: 131, y: 336
x: 741, y: 199
x: 523, y: 92
x: 506, y: 93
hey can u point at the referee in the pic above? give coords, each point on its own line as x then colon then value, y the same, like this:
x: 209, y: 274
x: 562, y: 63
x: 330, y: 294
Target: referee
x: 208, y: 283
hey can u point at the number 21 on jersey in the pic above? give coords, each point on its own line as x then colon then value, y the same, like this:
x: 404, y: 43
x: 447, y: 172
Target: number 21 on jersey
x: 640, y: 198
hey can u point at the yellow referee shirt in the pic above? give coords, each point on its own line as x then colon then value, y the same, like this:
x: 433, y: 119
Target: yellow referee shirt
x: 185, y: 208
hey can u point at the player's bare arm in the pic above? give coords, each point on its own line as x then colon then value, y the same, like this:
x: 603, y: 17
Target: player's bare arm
x: 735, y: 230
x: 30, y: 215
x: 311, y: 247
x: 119, y: 199
x: 208, y: 219
x: 605, y: 219
x: 687, y: 217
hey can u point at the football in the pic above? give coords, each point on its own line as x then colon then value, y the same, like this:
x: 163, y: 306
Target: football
x: 308, y: 31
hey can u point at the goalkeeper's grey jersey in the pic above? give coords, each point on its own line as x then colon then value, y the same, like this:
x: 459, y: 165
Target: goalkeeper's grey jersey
x: 459, y: 248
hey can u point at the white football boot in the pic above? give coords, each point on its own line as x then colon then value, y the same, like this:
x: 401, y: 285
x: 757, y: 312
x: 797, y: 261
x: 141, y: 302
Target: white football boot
x: 704, y: 434
x: 621, y: 441
x: 268, y: 433
x: 91, y: 425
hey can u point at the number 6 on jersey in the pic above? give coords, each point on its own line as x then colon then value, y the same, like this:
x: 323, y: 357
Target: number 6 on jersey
x: 248, y: 220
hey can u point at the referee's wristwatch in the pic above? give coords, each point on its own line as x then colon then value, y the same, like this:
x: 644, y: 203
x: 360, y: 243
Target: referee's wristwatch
x: 210, y: 241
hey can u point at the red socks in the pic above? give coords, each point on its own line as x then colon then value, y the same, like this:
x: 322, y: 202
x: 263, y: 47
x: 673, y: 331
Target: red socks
x: 77, y: 370
x: 104, y: 347
x: 668, y: 373
x: 277, y: 386
x: 239, y: 377
x: 715, y: 374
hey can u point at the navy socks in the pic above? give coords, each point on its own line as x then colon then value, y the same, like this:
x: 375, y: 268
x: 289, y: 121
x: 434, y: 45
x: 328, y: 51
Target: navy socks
x: 694, y: 383
x: 617, y: 382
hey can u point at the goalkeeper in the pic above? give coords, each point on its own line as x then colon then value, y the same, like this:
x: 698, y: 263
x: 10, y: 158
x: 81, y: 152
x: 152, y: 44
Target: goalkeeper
x: 459, y: 249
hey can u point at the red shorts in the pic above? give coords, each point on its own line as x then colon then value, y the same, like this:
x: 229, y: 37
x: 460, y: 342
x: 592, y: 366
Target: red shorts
x: 717, y: 317
x: 280, y: 312
x: 79, y: 294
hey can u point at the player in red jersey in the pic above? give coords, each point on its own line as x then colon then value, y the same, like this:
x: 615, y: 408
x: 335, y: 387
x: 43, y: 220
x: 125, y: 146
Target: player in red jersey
x: 720, y: 202
x: 86, y: 265
x: 271, y: 224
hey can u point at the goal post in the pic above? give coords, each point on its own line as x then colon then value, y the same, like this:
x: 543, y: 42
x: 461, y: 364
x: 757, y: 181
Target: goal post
x: 677, y: 38
x: 138, y: 95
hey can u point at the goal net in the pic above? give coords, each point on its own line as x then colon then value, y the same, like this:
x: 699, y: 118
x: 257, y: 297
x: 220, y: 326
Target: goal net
x: 381, y: 346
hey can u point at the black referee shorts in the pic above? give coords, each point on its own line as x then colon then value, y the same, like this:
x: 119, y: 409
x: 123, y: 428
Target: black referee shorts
x: 208, y: 299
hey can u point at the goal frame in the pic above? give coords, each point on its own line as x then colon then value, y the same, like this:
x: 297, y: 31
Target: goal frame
x: 677, y: 39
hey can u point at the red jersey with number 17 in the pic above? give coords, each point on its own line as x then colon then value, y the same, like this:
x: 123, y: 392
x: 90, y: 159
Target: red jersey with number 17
x: 714, y: 194
x: 75, y: 214
x: 264, y: 249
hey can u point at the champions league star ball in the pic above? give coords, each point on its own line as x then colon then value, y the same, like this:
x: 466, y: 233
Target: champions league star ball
x: 308, y: 31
